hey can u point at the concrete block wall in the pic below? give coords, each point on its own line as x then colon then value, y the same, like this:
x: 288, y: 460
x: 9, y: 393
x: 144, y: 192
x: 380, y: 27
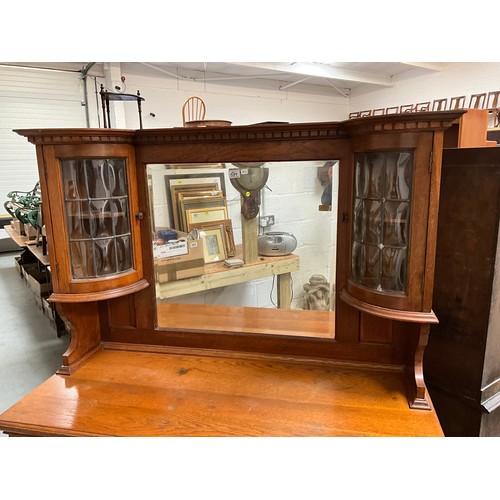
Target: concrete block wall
x: 293, y: 198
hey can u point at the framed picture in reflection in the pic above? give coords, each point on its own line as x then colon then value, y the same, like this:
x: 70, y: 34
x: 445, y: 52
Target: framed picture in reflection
x: 201, y: 205
x: 213, y: 244
x: 210, y: 214
x: 190, y: 182
x: 184, y: 189
x: 227, y: 228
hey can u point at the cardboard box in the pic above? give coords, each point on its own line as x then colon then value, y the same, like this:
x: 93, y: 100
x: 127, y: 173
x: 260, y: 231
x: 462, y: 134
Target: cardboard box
x: 181, y: 266
x: 29, y: 231
x: 36, y: 280
x: 28, y: 268
x: 18, y: 226
x: 19, y: 267
x: 171, y: 249
x: 48, y: 311
x: 37, y: 285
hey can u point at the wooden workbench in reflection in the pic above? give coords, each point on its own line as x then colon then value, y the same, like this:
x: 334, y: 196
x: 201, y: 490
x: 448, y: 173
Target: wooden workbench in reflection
x: 216, y: 276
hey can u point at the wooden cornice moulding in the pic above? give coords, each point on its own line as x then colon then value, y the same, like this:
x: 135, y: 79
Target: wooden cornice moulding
x: 266, y: 132
x: 64, y: 136
x: 407, y: 122
x: 100, y: 295
x: 410, y: 122
x: 179, y: 135
x: 383, y: 312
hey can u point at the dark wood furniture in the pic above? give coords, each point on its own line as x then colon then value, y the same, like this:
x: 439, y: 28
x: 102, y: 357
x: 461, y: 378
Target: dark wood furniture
x: 457, y: 102
x: 107, y: 96
x: 389, y: 178
x: 461, y: 361
x: 423, y: 106
x: 493, y: 106
x: 440, y: 104
x: 477, y: 101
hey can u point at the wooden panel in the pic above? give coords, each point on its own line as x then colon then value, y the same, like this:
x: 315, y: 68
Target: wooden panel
x: 458, y: 417
x: 374, y: 329
x: 278, y: 345
x: 218, y: 396
x: 469, y: 131
x: 432, y: 222
x: 461, y: 360
x: 82, y: 322
x: 461, y: 418
x: 122, y: 312
x: 473, y: 129
x: 467, y: 238
x: 319, y: 324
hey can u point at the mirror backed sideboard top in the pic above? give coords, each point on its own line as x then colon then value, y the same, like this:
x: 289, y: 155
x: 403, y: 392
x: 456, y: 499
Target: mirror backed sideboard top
x: 140, y: 225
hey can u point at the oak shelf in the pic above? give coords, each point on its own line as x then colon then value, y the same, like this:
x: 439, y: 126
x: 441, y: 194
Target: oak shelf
x: 18, y: 239
x: 203, y: 393
x: 216, y: 275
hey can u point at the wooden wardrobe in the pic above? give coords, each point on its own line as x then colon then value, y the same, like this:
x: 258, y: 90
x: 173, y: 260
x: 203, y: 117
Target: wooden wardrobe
x: 461, y: 363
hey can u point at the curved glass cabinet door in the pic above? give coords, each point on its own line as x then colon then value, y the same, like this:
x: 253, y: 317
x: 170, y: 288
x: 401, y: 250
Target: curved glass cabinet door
x: 94, y: 231
x: 381, y: 220
x: 96, y: 204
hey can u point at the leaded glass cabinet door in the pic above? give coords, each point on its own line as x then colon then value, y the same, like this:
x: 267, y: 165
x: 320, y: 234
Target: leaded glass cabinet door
x: 95, y: 221
x: 382, y: 201
x: 97, y: 216
x: 389, y: 252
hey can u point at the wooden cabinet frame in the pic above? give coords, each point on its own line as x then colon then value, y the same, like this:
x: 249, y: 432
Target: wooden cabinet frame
x: 370, y: 328
x: 67, y: 288
x: 410, y: 306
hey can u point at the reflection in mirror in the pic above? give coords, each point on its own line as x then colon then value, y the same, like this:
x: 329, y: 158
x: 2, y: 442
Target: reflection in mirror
x: 216, y: 270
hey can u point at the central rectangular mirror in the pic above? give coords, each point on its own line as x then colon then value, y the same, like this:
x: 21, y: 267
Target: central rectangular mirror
x: 231, y: 255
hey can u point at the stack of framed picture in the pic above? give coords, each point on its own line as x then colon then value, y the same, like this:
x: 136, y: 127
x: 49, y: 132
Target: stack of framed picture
x: 198, y: 201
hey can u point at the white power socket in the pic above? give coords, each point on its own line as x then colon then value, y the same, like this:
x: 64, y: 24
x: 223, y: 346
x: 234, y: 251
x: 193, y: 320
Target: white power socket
x: 266, y: 220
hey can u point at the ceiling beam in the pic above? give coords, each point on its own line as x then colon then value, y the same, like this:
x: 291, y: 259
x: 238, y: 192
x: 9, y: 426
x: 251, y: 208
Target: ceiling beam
x: 323, y: 71
x: 426, y: 65
x: 207, y: 79
x: 295, y: 83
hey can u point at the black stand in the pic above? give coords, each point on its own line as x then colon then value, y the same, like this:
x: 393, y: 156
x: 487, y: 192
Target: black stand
x: 112, y: 96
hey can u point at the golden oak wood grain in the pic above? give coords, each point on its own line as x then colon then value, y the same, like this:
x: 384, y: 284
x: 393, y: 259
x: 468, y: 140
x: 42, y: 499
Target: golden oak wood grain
x: 319, y: 324
x: 160, y: 393
x: 147, y: 394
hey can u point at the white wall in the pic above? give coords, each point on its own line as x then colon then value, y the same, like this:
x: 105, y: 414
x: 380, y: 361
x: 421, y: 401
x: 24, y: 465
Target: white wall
x: 32, y: 98
x: 419, y: 85
x: 233, y: 100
